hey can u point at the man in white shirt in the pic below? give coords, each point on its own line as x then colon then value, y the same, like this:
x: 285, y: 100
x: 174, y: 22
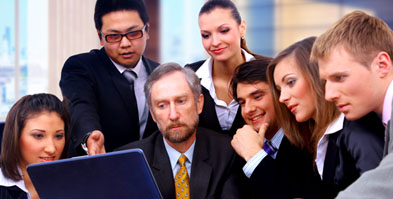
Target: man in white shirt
x: 354, y: 57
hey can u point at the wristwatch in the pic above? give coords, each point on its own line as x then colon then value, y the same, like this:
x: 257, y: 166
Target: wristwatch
x: 84, y: 142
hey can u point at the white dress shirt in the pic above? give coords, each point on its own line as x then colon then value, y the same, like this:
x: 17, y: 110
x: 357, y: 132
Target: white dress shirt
x: 334, y: 127
x: 175, y: 155
x: 139, y: 83
x: 226, y: 113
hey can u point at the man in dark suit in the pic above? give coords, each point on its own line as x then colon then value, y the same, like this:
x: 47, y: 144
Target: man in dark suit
x: 102, y: 84
x: 355, y: 59
x: 353, y: 147
x: 276, y: 168
x: 175, y: 101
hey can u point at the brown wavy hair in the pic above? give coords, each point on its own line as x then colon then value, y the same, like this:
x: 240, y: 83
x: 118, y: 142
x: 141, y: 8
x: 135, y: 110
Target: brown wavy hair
x: 304, y: 135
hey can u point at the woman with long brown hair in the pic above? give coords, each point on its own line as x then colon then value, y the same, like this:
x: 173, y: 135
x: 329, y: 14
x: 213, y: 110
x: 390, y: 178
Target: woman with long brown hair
x: 37, y: 130
x: 342, y: 149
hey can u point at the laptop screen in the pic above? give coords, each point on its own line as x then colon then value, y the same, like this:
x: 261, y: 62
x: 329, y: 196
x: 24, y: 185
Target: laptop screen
x: 121, y: 174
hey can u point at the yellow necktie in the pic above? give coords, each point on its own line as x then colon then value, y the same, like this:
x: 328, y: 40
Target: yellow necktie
x: 182, y: 182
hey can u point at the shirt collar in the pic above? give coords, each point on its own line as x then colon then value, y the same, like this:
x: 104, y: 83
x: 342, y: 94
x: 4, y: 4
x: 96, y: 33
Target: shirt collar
x: 387, y: 104
x: 248, y: 56
x: 277, y: 138
x: 137, y: 69
x: 9, y: 182
x: 205, y: 71
x: 174, y: 155
x: 336, y: 125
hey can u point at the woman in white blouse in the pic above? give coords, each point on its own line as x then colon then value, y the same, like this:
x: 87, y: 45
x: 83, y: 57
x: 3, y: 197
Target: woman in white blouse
x: 222, y: 32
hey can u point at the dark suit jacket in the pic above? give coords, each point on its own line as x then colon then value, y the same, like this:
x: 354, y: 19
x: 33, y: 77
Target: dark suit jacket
x: 357, y: 148
x: 101, y: 100
x: 214, y: 171
x: 376, y: 183
x: 290, y: 175
x: 12, y: 193
x: 208, y: 118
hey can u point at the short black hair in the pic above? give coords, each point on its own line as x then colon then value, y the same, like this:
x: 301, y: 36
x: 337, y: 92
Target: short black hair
x: 250, y: 72
x: 104, y: 7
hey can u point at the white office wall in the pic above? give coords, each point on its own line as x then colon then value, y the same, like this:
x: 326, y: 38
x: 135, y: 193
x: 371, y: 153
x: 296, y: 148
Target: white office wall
x: 71, y: 31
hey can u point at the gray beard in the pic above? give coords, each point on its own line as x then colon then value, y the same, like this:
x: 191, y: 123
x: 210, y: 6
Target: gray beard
x: 176, y: 137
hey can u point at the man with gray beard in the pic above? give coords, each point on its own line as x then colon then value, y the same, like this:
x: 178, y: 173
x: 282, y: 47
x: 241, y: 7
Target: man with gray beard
x: 186, y: 161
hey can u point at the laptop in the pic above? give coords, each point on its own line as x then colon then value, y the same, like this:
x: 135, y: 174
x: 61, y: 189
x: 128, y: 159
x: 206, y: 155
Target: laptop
x: 121, y: 174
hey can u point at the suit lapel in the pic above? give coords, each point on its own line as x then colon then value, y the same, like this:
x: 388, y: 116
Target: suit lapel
x: 209, y: 114
x: 162, y: 170
x: 329, y: 167
x: 122, y: 86
x: 148, y: 66
x: 201, y: 170
x: 238, y: 122
x: 283, y: 150
x: 388, y: 144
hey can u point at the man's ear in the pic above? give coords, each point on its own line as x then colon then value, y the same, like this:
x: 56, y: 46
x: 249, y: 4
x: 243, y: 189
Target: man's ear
x: 200, y: 103
x: 383, y: 63
x: 100, y: 37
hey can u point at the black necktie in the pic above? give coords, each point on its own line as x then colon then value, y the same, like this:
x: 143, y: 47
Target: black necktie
x: 131, y: 76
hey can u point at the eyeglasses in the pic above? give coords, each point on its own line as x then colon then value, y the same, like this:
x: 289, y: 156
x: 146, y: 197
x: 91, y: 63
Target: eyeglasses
x: 113, y: 38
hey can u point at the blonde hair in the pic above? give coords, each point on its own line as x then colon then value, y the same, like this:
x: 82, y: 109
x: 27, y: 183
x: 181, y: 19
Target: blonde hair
x: 360, y: 34
x: 306, y: 134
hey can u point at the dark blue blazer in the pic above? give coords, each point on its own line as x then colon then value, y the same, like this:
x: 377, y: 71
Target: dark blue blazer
x: 216, y: 172
x: 208, y: 118
x: 290, y: 175
x: 101, y: 99
x: 12, y: 192
x: 357, y: 148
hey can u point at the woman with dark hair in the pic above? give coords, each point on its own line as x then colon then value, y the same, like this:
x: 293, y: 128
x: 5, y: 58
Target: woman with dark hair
x: 342, y: 149
x: 37, y: 130
x: 222, y: 31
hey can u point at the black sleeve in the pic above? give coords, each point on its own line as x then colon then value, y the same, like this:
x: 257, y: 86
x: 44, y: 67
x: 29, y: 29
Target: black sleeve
x: 78, y: 85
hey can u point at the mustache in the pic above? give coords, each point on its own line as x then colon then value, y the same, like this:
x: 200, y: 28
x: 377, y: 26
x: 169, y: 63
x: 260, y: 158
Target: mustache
x: 173, y: 124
